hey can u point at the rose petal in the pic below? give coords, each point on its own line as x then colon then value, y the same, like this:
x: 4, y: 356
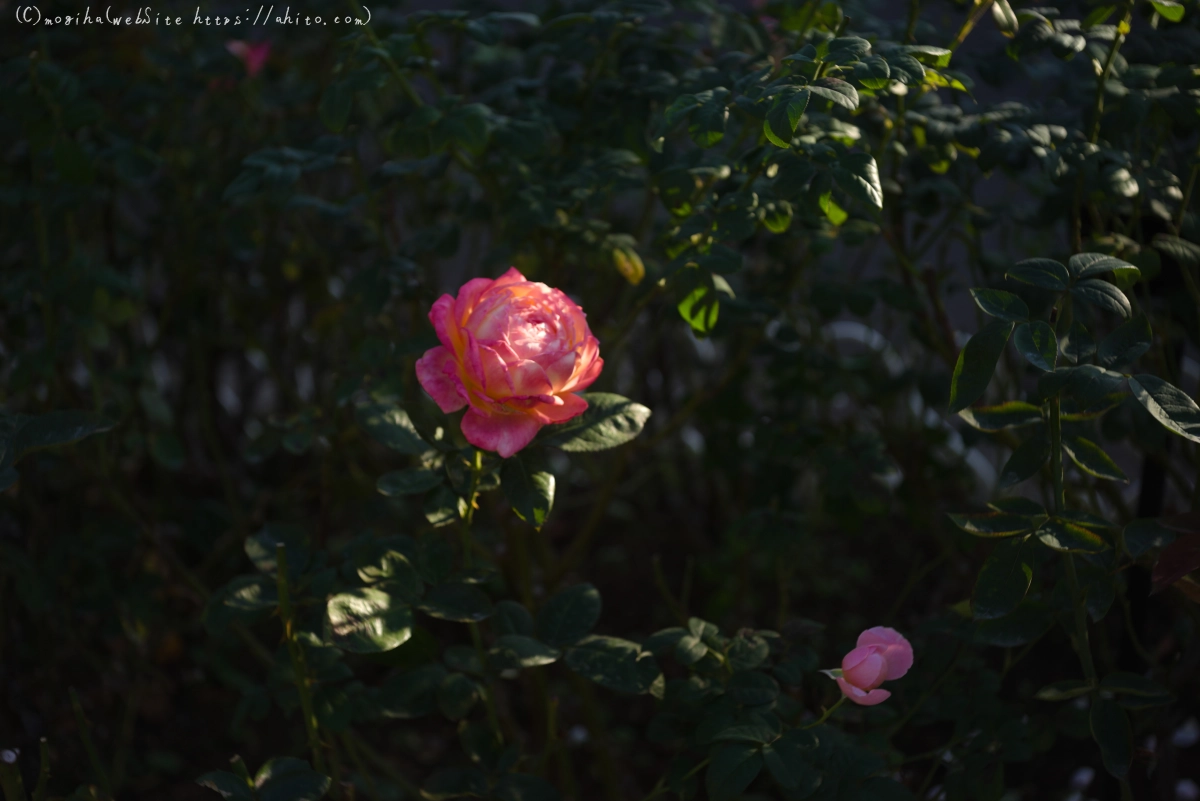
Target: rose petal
x: 569, y: 406
x: 468, y: 298
x: 511, y: 276
x: 863, y: 698
x: 442, y: 317
x: 441, y: 383
x: 896, y: 650
x: 503, y: 433
x: 865, y: 667
x: 528, y: 378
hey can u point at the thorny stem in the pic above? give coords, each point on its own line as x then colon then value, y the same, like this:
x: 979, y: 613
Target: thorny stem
x: 39, y: 792
x: 467, y: 547
x: 828, y: 713
x: 661, y: 787
x: 299, y: 665
x: 1103, y: 77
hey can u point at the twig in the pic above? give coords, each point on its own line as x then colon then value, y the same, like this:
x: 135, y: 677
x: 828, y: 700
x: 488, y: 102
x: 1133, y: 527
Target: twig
x: 85, y: 734
x: 299, y: 665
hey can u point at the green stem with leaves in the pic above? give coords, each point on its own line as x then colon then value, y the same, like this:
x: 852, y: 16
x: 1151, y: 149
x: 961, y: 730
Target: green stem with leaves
x: 826, y: 716
x: 299, y: 664
x: 85, y: 734
x: 467, y: 548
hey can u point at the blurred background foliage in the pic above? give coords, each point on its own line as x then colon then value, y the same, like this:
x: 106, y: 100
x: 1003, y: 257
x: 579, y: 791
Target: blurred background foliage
x: 220, y: 243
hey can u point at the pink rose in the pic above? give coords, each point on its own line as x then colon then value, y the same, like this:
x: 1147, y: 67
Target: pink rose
x: 515, y: 351
x: 253, y: 55
x: 882, y: 655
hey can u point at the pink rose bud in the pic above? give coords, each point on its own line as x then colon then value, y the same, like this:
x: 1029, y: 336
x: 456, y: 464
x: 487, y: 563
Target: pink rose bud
x: 513, y: 350
x: 253, y: 55
x: 882, y: 655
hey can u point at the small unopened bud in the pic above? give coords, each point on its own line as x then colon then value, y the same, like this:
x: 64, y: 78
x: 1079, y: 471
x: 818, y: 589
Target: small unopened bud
x: 629, y: 264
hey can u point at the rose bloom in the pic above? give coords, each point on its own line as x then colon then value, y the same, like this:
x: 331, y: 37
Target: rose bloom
x: 882, y: 655
x: 514, y: 351
x: 253, y: 55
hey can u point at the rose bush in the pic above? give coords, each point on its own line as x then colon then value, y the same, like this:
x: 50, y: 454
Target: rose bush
x: 516, y: 352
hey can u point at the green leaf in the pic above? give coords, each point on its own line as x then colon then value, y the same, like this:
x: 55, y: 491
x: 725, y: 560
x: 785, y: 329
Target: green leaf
x: 748, y: 651
x: 468, y: 126
x: 1102, y: 295
x: 1010, y: 414
x: 290, y: 779
x: 731, y: 769
x: 610, y: 420
x: 976, y: 363
x: 1169, y: 10
x: 1017, y: 505
x: 1127, y: 343
x: 781, y: 121
x: 1137, y: 692
x: 516, y: 650
x: 396, y: 573
x: 412, y: 481
x: 1185, y: 252
x: 1062, y: 535
x: 1111, y: 731
x: 457, y: 693
x: 847, y: 49
x: 569, y: 615
x: 1045, y: 273
x: 1092, y: 459
x: 690, y: 649
x: 788, y: 760
x: 1146, y: 534
x: 1025, y: 461
x: 751, y: 688
x: 1024, y: 624
x: 614, y: 663
x: 367, y: 620
x: 1169, y: 405
x: 464, y: 603
x: 411, y: 694
x: 21, y: 435
x: 1005, y: 18
x: 873, y: 72
x: 1077, y: 346
x: 529, y: 491
x: 934, y: 56
x: 512, y: 618
x: 999, y: 303
x: 455, y: 783
x: 837, y: 90
x: 525, y: 787
x: 1064, y: 690
x: 1085, y: 265
x: 335, y: 105
x: 700, y: 309
x: 858, y: 176
x: 262, y: 547
x: 227, y: 784
x: 836, y: 214
x: 992, y: 524
x: 1092, y: 385
x: 442, y: 507
x: 1003, y: 581
x: 1037, y: 343
x: 754, y: 729
x: 390, y: 425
